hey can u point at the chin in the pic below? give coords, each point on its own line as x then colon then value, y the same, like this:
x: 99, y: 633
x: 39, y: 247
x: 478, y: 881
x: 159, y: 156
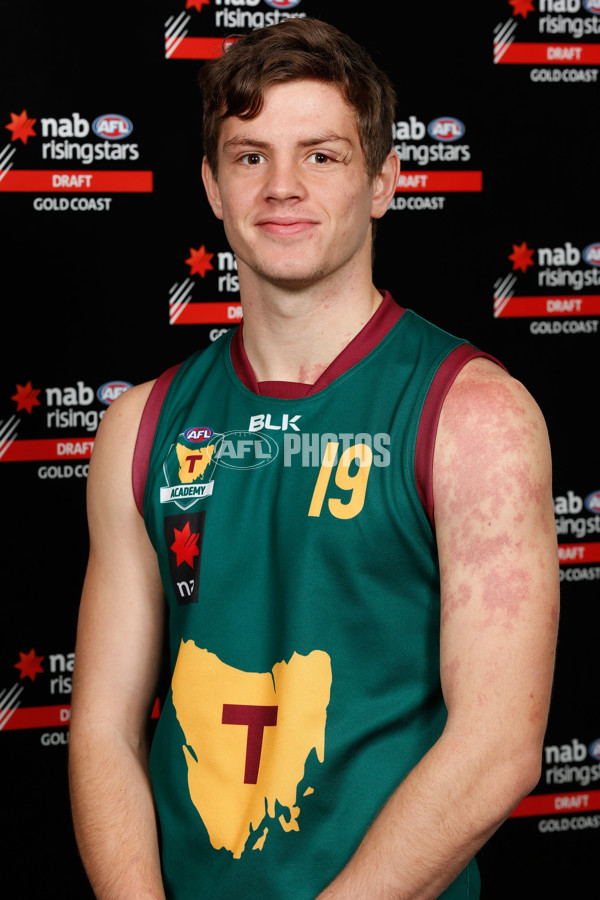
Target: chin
x: 290, y: 275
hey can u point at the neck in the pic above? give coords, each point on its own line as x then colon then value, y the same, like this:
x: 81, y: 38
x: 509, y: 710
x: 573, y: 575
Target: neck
x: 295, y: 335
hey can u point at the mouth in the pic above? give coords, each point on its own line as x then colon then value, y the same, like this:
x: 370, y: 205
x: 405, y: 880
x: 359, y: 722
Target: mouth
x: 281, y: 227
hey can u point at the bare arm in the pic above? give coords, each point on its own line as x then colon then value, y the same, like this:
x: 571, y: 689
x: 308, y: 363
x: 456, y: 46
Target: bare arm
x: 499, y: 587
x: 117, y: 660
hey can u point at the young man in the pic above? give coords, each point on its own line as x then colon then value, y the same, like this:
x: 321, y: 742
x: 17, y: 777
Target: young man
x: 350, y: 514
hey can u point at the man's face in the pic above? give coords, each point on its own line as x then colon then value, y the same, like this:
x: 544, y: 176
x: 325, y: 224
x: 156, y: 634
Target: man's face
x: 292, y: 188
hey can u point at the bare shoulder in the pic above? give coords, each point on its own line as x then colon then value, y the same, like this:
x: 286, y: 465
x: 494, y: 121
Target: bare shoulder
x: 492, y: 449
x: 123, y: 416
x: 485, y: 391
x: 488, y: 410
x: 109, y: 482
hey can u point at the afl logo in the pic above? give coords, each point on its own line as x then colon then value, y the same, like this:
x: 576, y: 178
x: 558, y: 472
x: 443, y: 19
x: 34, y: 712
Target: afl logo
x: 282, y: 4
x: 246, y: 450
x: 111, y: 390
x: 112, y: 127
x: 446, y: 129
x: 592, y: 6
x: 198, y: 434
x: 592, y: 502
x: 591, y: 254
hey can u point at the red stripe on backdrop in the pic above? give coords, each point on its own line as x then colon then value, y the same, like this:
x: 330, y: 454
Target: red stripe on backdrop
x: 25, y: 717
x: 572, y: 554
x: 76, y: 181
x: 551, y: 54
x: 48, y: 448
x: 550, y: 804
x: 536, y: 307
x: 38, y: 717
x: 439, y: 181
x: 196, y: 48
x: 209, y: 314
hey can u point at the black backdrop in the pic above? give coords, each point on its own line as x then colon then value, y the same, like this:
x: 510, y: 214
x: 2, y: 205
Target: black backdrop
x: 113, y: 269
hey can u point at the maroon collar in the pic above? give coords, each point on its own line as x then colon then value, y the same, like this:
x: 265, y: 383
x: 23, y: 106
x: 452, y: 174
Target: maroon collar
x: 382, y: 320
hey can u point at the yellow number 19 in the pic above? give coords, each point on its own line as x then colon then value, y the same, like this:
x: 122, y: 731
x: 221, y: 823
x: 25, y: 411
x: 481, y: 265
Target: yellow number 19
x: 355, y: 482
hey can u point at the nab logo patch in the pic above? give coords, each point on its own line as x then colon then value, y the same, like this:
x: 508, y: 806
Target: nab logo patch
x: 183, y: 538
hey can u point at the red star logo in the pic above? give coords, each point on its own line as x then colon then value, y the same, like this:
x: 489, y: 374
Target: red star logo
x: 196, y: 4
x: 26, y: 397
x: 199, y: 261
x: 21, y: 127
x: 521, y: 257
x: 29, y: 664
x: 185, y: 545
x: 522, y: 7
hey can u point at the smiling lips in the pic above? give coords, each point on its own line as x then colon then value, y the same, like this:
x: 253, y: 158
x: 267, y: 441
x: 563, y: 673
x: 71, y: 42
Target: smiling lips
x: 282, y: 227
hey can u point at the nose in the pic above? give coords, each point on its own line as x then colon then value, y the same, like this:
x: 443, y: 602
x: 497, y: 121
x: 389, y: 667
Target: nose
x: 284, y: 180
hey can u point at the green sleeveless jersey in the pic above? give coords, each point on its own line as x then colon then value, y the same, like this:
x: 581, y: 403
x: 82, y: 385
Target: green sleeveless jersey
x: 301, y: 574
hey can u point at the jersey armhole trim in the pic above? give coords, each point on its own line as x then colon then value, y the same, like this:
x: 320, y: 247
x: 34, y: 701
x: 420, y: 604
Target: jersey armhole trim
x: 145, y: 435
x: 430, y: 417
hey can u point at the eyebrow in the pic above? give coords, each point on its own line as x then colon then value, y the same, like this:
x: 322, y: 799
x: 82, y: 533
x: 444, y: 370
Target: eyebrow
x: 327, y: 137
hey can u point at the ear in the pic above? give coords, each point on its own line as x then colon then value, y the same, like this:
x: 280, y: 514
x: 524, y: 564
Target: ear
x: 212, y: 189
x: 384, y: 185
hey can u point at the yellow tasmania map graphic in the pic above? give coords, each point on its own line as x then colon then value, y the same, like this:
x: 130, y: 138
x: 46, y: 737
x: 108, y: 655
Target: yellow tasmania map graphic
x: 248, y: 736
x: 193, y: 463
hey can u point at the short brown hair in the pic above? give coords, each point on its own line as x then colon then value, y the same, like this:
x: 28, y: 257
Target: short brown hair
x: 234, y: 84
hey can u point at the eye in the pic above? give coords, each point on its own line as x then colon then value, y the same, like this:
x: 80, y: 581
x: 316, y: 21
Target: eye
x: 252, y: 159
x: 319, y: 157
